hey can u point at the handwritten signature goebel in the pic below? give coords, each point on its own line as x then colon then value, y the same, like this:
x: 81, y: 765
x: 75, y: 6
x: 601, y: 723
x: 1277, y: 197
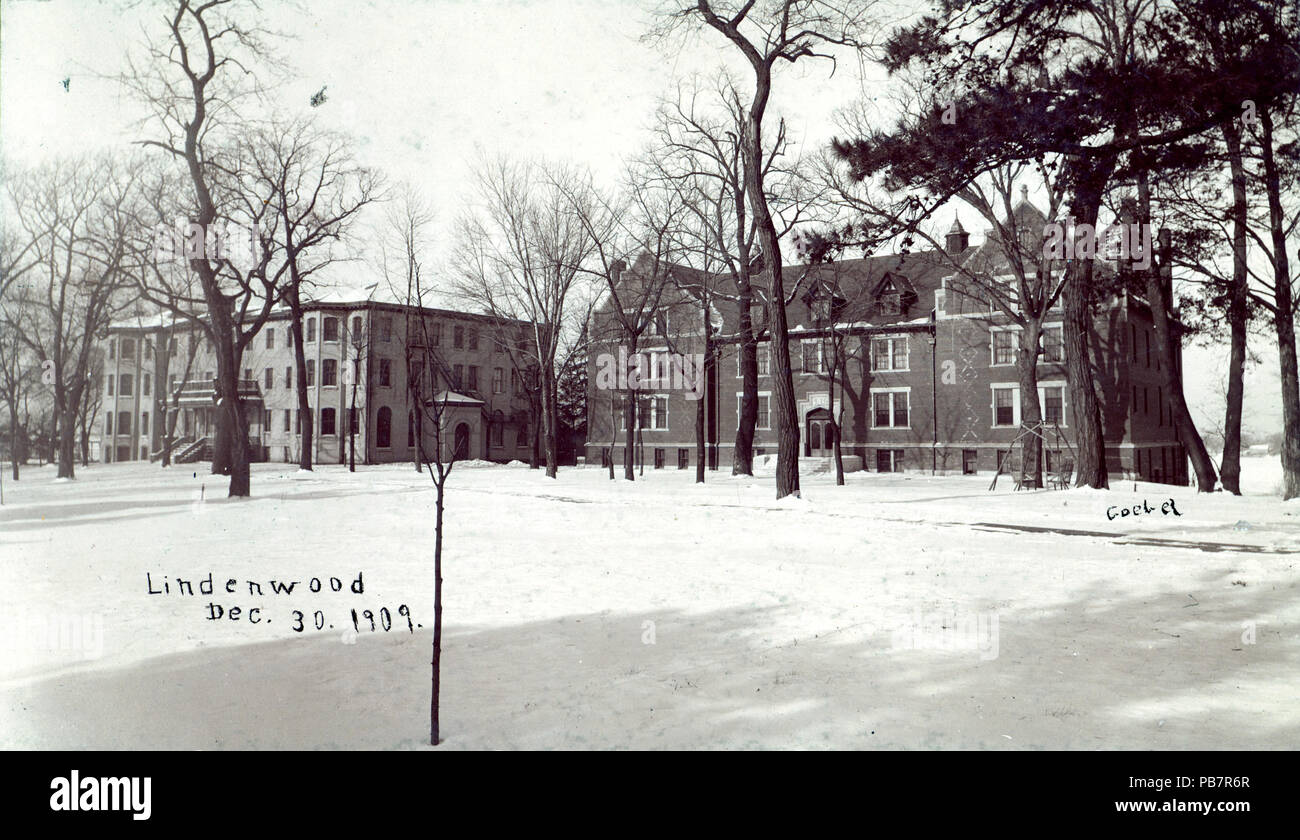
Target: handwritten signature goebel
x: 1117, y: 512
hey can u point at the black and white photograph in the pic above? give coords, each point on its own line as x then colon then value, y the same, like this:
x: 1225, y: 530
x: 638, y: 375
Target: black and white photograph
x: 652, y: 375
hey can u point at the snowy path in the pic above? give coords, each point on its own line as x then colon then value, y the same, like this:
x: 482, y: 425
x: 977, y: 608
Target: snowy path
x: 896, y: 612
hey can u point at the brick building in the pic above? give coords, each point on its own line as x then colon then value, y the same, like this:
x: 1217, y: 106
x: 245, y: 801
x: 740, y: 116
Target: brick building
x: 479, y: 378
x: 930, y: 381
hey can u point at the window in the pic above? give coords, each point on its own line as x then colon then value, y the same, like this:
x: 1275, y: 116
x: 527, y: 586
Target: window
x: 514, y: 381
x: 288, y: 377
x: 148, y: 348
x: 124, y: 385
x: 248, y: 374
x: 1053, y: 345
x: 457, y: 372
x: 813, y: 361
x: 498, y: 381
x: 112, y: 349
x: 108, y: 424
x: 311, y: 329
x: 659, y: 458
x: 270, y: 339
x: 473, y: 377
x: 1053, y: 404
x: 473, y: 338
x: 661, y: 323
x: 764, y: 420
x: 435, y: 334
x: 970, y: 461
x: 890, y: 408
x: 683, y: 458
x: 652, y: 412
x: 269, y: 376
x: 385, y: 373
x: 124, y: 422
x: 110, y: 385
x: 288, y: 421
x: 356, y: 326
x: 128, y: 349
x: 144, y: 385
x: 498, y: 433
x: 889, y: 460
x: 384, y: 428
x: 327, y: 421
x: 522, y: 439
x: 171, y: 347
x: 311, y: 372
x: 330, y: 328
x: 1004, y: 406
x: 1004, y: 347
x: 889, y: 353
x: 410, y: 428
x: 329, y: 372
x: 458, y: 337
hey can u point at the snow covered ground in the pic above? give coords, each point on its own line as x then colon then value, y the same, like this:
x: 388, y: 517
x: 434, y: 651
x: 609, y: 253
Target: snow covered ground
x: 900, y: 611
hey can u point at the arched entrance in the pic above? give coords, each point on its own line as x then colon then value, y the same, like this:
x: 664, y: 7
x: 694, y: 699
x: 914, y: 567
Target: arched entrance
x: 818, y: 433
x: 461, y: 450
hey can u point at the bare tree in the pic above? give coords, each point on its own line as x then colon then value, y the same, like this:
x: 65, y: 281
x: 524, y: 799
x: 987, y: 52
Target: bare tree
x: 633, y: 238
x: 75, y: 213
x: 698, y: 151
x: 518, y: 257
x: 767, y: 33
x: 195, y: 80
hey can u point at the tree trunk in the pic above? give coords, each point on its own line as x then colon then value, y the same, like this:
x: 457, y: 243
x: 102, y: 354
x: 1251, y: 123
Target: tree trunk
x: 15, y: 444
x: 305, y: 418
x: 1166, y: 341
x: 68, y: 444
x: 549, y: 418
x: 787, y: 421
x: 1031, y: 411
x: 1238, y: 313
x: 630, y: 409
x: 436, y: 662
x: 1076, y: 300
x: 1283, y: 317
x: 742, y: 456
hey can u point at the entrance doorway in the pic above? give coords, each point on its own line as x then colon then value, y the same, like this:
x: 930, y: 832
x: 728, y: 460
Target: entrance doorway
x: 461, y: 450
x: 819, y: 433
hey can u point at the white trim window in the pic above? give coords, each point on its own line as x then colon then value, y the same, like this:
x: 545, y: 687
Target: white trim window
x: 1003, y: 343
x: 763, y: 422
x: 652, y: 412
x: 1052, y: 343
x: 889, y: 353
x: 1005, y: 404
x: 1051, y: 396
x: 657, y: 370
x: 891, y: 408
x: 814, y: 356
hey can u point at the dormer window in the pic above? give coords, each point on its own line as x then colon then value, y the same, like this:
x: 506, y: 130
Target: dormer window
x: 891, y: 303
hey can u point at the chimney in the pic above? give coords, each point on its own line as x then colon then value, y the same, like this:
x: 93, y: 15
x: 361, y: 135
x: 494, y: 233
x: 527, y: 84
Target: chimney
x: 957, y: 238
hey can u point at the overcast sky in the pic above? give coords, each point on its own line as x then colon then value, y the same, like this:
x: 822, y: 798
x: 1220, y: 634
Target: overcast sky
x: 422, y: 85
